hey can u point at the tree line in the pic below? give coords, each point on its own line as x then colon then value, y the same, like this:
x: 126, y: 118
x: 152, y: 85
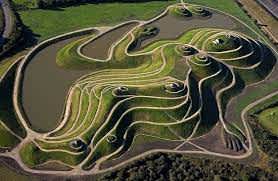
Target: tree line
x: 45, y: 4
x: 266, y: 141
x: 175, y: 167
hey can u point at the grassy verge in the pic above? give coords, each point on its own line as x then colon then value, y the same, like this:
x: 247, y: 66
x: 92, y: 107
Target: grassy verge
x: 7, y: 140
x: 7, y: 113
x: 269, y: 103
x: 252, y: 96
x: 31, y: 155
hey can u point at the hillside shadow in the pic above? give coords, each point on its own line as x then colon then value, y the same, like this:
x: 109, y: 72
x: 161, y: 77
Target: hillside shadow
x: 28, y: 39
x: 59, y: 6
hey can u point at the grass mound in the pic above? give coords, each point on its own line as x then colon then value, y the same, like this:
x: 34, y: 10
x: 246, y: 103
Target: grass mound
x: 222, y: 43
x: 165, y: 90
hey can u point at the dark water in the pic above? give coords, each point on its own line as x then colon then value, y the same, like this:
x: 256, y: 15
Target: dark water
x: 99, y: 48
x: 45, y: 85
x: 172, y: 27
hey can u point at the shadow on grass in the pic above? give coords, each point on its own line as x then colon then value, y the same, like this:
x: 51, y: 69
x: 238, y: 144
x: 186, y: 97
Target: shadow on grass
x: 7, y: 112
x: 59, y: 5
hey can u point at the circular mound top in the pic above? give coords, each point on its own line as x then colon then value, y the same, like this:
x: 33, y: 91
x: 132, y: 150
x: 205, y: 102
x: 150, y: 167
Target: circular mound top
x: 198, y: 10
x: 181, y: 11
x: 186, y: 50
x: 202, y: 58
x: 121, y: 90
x: 203, y: 65
x: 77, y: 144
x: 174, y: 87
x: 111, y: 138
x: 148, y: 31
x: 222, y: 42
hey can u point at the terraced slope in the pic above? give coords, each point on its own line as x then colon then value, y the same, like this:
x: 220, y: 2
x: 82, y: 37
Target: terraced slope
x: 170, y: 91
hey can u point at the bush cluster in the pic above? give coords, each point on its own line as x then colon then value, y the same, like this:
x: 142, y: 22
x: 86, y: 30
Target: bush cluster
x: 266, y: 141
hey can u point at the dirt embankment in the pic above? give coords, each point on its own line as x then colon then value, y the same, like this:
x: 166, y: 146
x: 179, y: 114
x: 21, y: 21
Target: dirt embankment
x: 262, y: 17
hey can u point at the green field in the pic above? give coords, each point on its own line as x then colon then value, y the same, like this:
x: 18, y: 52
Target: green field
x: 269, y: 119
x: 48, y: 23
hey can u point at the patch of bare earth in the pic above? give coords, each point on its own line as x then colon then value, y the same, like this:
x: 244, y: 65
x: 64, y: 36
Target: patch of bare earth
x: 140, y: 149
x: 213, y: 142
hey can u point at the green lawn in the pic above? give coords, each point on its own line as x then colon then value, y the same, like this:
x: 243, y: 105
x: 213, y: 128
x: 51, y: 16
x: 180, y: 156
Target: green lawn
x: 48, y: 23
x: 264, y: 105
x: 4, y: 65
x: 269, y: 119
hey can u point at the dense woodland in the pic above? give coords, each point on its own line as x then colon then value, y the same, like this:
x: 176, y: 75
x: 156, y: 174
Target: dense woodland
x: 266, y: 141
x: 176, y: 167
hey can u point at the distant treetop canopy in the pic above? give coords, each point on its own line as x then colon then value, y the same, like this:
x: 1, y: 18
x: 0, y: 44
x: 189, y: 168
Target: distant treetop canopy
x: 33, y: 4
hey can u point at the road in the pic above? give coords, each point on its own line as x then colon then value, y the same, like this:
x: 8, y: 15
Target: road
x: 8, y: 25
x: 271, y: 6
